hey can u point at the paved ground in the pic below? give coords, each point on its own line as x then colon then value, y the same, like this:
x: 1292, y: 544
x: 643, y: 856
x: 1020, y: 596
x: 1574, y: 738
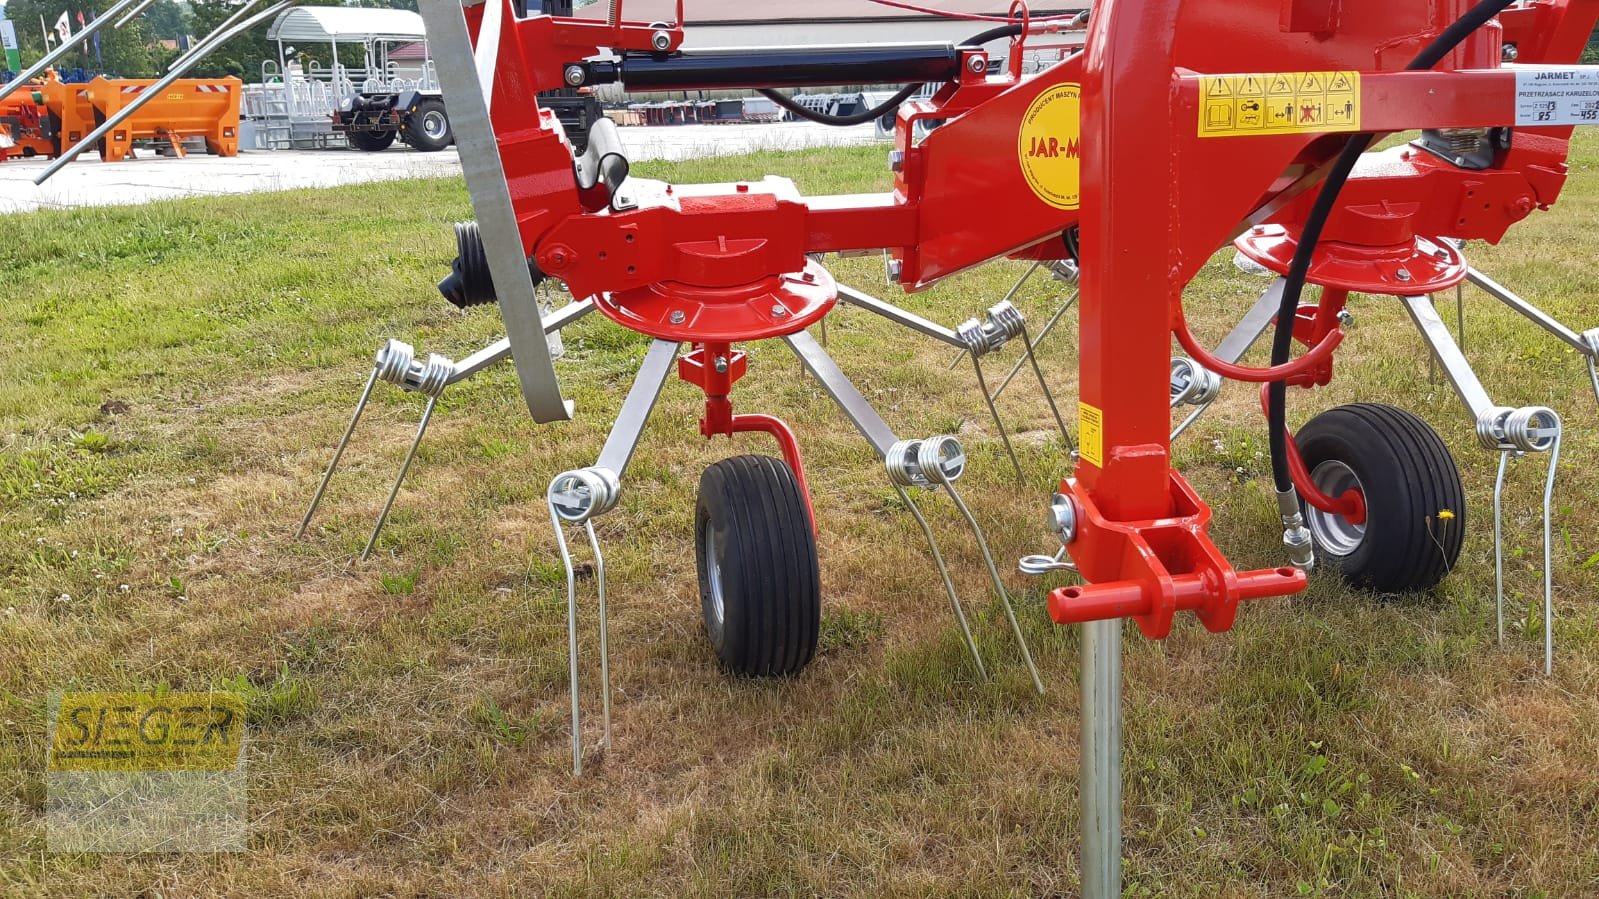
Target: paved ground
x: 89, y: 182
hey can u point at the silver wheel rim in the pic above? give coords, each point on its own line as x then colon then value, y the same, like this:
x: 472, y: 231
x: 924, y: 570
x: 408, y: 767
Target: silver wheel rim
x: 713, y: 575
x: 1334, y: 533
x: 433, y: 125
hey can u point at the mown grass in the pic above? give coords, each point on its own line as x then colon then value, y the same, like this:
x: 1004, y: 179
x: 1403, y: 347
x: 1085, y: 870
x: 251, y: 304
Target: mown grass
x: 178, y: 373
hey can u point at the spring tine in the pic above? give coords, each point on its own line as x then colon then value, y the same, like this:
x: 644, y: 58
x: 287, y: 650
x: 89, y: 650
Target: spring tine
x: 949, y: 585
x: 1460, y: 315
x: 571, y: 641
x: 360, y: 406
x: 999, y: 585
x: 1192, y: 417
x: 1499, y: 548
x: 1027, y: 350
x: 993, y: 410
x: 1593, y: 375
x: 427, y: 415
x: 1548, y: 572
x: 605, y: 648
x: 1033, y: 346
x: 1014, y: 288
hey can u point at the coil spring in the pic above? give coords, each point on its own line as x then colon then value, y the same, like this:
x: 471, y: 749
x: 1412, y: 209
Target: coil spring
x: 1529, y: 429
x: 397, y: 364
x: 923, y: 463
x: 583, y: 493
x: 1191, y: 383
x: 1003, y: 323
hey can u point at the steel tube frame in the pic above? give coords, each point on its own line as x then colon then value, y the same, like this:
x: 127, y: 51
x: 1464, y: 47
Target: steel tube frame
x: 844, y: 394
x: 467, y: 80
x: 44, y: 62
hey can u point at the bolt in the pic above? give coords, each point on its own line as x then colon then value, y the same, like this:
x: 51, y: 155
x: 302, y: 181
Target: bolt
x: 677, y: 316
x: 661, y: 41
x: 894, y: 269
x: 779, y: 311
x: 1510, y: 53
x: 720, y: 365
x: 575, y: 76
x: 977, y: 64
x: 1521, y: 207
x: 558, y: 257
x: 896, y: 160
x: 1461, y: 161
x: 1403, y: 274
x: 1345, y: 317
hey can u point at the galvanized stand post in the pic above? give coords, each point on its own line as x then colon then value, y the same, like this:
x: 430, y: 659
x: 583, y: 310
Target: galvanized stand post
x: 1101, y: 777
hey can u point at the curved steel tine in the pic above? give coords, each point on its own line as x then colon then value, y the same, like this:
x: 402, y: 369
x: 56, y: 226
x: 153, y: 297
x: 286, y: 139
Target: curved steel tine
x: 605, y: 648
x: 1014, y: 288
x: 1049, y: 397
x: 571, y: 641
x: 1187, y: 422
x: 1548, y: 571
x: 338, y: 452
x: 1033, y: 346
x: 949, y: 585
x: 427, y: 416
x: 999, y: 585
x: 1499, y: 547
x: 977, y: 365
x: 1593, y: 375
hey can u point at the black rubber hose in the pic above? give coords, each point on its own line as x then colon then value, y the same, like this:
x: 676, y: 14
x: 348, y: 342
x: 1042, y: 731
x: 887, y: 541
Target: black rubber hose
x: 861, y: 118
x: 1299, y: 269
x: 858, y: 118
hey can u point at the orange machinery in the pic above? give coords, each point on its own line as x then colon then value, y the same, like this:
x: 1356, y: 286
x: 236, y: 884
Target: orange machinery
x: 189, y: 107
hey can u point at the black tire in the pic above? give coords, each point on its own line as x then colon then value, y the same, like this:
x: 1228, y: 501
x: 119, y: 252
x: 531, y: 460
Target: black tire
x: 760, y: 588
x: 427, y: 127
x: 370, y: 141
x: 1415, y: 504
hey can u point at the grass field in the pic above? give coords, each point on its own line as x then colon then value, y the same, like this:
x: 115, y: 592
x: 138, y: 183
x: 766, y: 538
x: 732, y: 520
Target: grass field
x: 175, y: 377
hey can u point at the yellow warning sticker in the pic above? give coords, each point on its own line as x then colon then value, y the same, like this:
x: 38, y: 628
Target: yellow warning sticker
x: 1048, y: 145
x: 1091, y: 434
x: 1278, y: 103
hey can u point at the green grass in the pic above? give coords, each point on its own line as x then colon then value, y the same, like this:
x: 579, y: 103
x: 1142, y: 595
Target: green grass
x: 177, y: 375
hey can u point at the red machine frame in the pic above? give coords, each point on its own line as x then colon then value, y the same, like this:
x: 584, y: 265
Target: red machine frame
x: 1152, y: 210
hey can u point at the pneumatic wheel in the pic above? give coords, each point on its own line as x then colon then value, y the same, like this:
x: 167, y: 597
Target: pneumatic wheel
x: 1415, y: 518
x: 427, y: 128
x: 371, y: 141
x: 760, y: 589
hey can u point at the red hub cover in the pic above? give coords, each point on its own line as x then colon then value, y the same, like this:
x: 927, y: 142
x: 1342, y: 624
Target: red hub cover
x: 771, y: 307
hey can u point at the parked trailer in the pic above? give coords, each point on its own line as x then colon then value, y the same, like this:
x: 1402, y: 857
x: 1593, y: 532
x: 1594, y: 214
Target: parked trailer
x: 71, y: 116
x: 25, y: 125
x: 206, y: 108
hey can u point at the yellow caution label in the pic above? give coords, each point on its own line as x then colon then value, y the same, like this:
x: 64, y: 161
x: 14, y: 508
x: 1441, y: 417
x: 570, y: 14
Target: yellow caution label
x: 1049, y: 145
x: 1278, y: 103
x: 1091, y: 434
x: 147, y: 732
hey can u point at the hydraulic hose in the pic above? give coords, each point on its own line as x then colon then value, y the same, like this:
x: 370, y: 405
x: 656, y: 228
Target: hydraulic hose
x: 1316, y: 221
x: 904, y: 93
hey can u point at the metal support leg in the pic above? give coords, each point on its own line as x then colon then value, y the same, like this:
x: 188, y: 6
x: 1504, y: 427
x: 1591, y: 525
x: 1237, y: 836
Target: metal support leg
x: 1101, y: 766
x: 605, y: 644
x: 1499, y: 549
